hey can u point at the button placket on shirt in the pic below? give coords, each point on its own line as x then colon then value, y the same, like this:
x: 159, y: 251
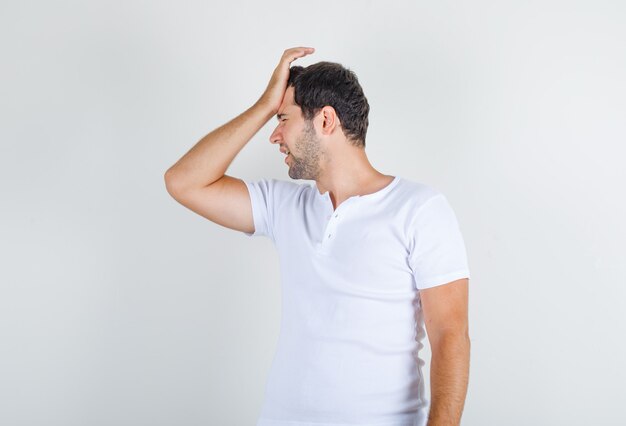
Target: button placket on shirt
x: 335, y: 216
x: 333, y: 219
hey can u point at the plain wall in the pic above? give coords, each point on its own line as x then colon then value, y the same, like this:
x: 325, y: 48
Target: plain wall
x: 118, y: 306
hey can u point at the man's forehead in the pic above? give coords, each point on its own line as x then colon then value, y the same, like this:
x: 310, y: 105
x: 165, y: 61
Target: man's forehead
x: 288, y: 98
x: 288, y: 104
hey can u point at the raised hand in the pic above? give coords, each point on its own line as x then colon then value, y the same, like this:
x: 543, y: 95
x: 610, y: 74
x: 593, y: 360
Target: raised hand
x: 275, y: 91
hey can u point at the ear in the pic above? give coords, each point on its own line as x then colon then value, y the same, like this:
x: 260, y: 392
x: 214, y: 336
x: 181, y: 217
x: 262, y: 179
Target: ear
x: 330, y: 121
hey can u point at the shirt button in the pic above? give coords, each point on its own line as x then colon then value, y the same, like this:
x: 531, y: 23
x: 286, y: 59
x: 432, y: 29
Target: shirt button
x: 336, y: 214
x: 328, y: 235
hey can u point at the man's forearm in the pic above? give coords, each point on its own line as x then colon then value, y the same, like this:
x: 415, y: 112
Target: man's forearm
x: 449, y: 375
x: 208, y: 160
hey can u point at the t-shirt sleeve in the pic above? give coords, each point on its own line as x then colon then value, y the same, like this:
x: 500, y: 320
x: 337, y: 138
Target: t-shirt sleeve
x: 261, y: 197
x: 437, y: 253
x: 274, y: 203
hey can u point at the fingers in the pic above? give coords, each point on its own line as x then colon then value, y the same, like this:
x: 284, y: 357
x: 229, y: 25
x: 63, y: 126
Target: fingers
x: 297, y: 52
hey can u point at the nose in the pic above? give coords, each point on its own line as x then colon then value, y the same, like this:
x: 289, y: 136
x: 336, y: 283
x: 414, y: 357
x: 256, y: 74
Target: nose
x: 275, y: 137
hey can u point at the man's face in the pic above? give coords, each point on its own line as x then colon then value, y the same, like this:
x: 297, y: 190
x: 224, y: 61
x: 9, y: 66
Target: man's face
x: 298, y: 137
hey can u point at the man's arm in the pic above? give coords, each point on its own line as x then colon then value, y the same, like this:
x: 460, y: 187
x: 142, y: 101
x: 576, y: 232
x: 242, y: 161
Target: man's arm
x: 198, y: 180
x: 446, y: 319
x: 208, y: 160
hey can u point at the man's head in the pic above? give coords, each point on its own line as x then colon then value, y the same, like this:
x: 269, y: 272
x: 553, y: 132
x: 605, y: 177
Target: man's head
x: 324, y: 110
x: 329, y: 83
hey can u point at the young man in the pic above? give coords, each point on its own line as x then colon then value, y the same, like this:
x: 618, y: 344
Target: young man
x: 364, y: 257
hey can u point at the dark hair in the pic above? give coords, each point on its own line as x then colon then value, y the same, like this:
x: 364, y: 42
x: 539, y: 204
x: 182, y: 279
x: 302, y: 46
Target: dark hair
x: 329, y: 83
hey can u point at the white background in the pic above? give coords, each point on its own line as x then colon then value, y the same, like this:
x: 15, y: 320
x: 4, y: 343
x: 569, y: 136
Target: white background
x: 118, y: 306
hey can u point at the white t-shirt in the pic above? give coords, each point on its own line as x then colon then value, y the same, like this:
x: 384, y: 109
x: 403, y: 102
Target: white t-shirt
x: 352, y: 324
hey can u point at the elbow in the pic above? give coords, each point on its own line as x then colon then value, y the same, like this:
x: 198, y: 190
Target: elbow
x: 450, y: 339
x: 171, y: 184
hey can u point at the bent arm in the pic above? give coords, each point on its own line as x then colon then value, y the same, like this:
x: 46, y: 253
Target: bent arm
x: 208, y: 160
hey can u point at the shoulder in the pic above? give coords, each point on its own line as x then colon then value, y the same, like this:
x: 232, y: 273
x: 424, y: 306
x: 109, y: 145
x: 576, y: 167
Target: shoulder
x: 417, y: 194
x: 277, y: 190
x: 276, y: 184
x: 426, y: 209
